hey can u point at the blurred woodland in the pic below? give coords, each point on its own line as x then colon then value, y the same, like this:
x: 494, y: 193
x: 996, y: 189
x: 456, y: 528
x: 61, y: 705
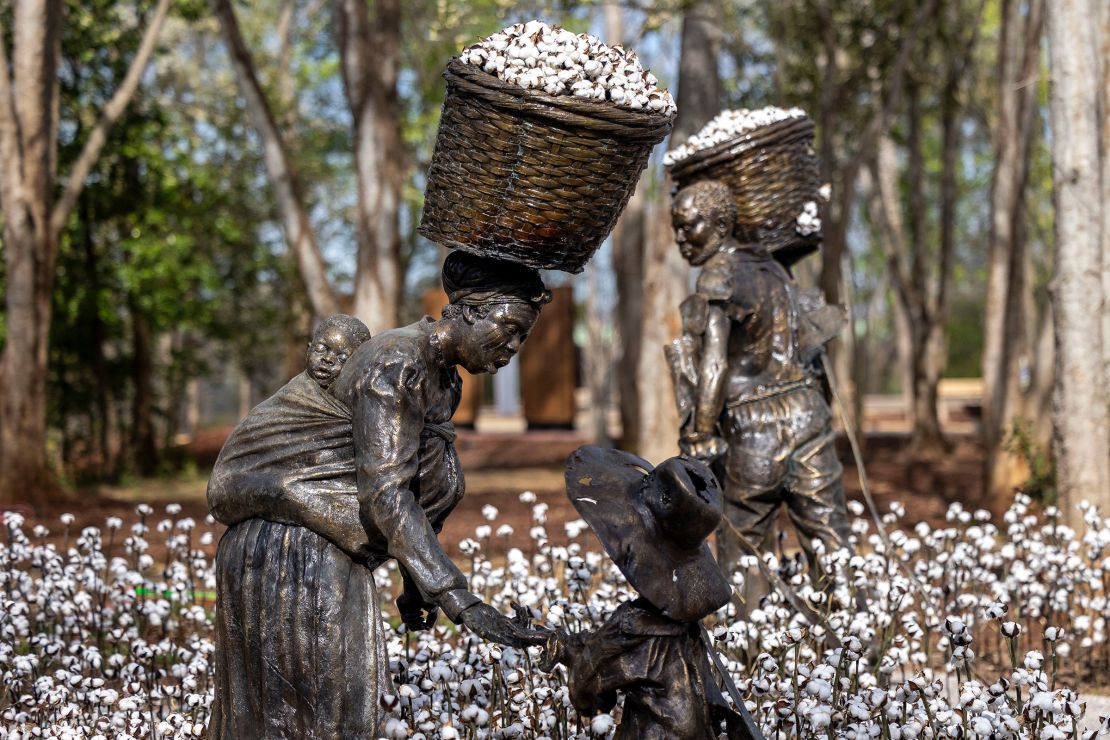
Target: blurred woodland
x: 189, y: 184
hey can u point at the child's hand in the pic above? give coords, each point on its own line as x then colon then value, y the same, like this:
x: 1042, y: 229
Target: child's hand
x: 554, y: 652
x: 561, y: 648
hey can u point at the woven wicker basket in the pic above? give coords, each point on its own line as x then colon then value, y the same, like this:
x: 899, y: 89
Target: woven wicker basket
x: 534, y: 178
x: 772, y: 172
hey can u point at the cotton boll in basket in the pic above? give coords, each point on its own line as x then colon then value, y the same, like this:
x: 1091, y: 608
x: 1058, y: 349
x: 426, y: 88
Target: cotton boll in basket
x: 767, y: 159
x: 538, y: 56
x: 728, y: 125
x: 543, y: 136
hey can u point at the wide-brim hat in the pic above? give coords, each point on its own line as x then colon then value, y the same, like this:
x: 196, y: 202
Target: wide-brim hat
x: 654, y: 522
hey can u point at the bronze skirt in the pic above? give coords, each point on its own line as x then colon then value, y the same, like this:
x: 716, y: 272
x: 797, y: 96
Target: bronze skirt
x: 300, y: 650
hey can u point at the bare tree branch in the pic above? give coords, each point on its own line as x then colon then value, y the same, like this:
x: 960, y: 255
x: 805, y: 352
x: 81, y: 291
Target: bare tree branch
x: 369, y: 52
x: 291, y: 206
x: 897, y: 77
x: 11, y: 181
x: 90, y: 153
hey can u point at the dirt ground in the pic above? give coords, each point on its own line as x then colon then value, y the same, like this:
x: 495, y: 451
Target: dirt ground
x: 924, y: 488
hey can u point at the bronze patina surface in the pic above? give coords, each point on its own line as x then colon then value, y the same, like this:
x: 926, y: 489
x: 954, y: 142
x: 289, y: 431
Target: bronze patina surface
x: 653, y: 650
x: 750, y: 401
x: 320, y: 485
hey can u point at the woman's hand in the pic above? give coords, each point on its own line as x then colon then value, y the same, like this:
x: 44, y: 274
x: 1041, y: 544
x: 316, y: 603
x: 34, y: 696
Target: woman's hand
x: 416, y: 613
x: 490, y: 624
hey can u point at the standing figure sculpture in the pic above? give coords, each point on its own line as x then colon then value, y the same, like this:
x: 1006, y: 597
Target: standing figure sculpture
x: 319, y: 489
x: 747, y: 396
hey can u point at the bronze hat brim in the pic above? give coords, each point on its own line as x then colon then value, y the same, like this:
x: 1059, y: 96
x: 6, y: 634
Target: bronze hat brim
x: 603, y: 485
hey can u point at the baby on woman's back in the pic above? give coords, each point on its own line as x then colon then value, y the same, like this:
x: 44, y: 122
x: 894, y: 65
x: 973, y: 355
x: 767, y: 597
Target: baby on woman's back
x: 333, y: 342
x: 301, y: 435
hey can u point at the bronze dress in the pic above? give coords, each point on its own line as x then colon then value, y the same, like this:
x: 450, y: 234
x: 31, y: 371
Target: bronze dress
x: 660, y: 665
x: 300, y: 651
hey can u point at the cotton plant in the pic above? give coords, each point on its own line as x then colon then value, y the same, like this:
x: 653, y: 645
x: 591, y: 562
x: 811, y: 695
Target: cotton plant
x: 961, y: 630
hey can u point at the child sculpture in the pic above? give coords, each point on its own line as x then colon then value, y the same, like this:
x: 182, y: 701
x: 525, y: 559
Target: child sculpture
x: 654, y: 524
x: 754, y: 409
x: 331, y: 344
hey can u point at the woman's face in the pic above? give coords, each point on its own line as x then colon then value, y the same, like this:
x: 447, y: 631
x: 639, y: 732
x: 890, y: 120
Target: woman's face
x: 490, y: 342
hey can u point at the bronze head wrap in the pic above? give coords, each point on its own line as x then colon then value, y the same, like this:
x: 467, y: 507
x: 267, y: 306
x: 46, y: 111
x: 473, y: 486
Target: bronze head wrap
x: 477, y: 281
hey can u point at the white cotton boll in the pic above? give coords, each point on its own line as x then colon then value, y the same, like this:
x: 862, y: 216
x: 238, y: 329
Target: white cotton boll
x: 567, y: 75
x: 732, y: 124
x: 602, y: 725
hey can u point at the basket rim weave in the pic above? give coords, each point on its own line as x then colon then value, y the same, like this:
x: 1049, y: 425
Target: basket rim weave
x: 779, y: 132
x: 560, y: 109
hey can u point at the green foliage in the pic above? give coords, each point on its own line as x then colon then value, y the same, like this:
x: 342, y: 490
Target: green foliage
x: 964, y: 331
x: 169, y: 235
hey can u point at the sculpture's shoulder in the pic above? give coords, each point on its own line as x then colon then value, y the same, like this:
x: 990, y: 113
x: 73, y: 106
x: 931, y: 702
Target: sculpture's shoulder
x: 739, y: 275
x: 399, y: 356
x: 718, y: 278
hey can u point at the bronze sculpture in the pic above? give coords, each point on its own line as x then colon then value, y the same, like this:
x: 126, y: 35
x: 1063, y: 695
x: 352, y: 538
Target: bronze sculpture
x: 320, y: 488
x: 745, y: 385
x: 653, y: 650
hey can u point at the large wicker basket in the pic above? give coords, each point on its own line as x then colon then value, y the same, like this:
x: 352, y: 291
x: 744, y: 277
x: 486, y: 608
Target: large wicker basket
x: 534, y: 178
x: 772, y: 172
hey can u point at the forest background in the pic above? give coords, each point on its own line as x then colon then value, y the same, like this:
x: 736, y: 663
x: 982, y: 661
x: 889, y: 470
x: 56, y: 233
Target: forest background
x: 188, y: 184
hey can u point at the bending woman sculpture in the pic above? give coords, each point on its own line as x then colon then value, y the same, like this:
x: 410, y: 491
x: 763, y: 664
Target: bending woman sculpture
x: 314, y: 506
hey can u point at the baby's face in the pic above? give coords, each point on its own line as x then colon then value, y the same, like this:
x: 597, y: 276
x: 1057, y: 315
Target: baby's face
x: 327, y: 352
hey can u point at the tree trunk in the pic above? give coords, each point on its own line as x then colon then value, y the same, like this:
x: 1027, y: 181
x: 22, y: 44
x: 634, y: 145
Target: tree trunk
x: 1104, y: 116
x: 842, y: 172
x: 370, y: 58
x: 628, y: 268
x: 1006, y: 341
x: 28, y: 137
x: 28, y: 109
x: 598, y: 358
x: 104, y: 454
x: 283, y: 177
x: 666, y: 274
x: 1081, y: 407
x: 144, y: 449
x: 627, y: 246
x: 841, y: 351
x: 926, y: 439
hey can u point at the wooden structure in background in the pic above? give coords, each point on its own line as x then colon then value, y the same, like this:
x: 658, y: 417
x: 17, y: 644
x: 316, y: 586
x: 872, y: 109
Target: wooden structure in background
x: 472, y: 385
x: 547, y: 365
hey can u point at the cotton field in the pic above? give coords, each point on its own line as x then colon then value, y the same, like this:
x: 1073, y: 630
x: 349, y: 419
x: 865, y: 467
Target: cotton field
x: 977, y: 629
